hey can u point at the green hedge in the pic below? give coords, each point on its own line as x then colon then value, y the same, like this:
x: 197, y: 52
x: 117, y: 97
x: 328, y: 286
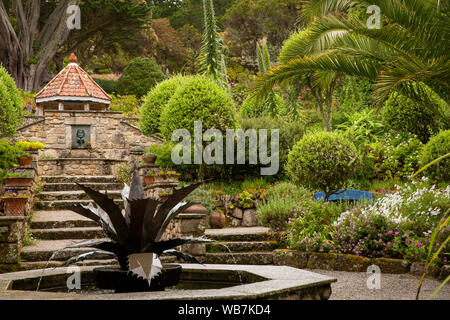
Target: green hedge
x: 438, y: 146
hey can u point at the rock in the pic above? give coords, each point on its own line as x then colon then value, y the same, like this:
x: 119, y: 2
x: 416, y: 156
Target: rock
x: 352, y: 263
x: 395, y: 266
x: 196, y: 208
x: 326, y: 261
x: 445, y: 272
x: 235, y: 222
x: 292, y: 258
x: 249, y: 218
x: 9, y: 253
x: 237, y: 213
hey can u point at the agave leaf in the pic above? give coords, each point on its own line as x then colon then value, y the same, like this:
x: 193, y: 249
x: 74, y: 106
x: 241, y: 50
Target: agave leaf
x: 88, y: 255
x: 85, y: 243
x: 113, y: 210
x: 125, y: 193
x: 180, y: 255
x: 171, y: 202
x: 149, y: 229
x: 161, y: 246
x: 180, y: 207
x: 137, y: 214
x: 136, y: 190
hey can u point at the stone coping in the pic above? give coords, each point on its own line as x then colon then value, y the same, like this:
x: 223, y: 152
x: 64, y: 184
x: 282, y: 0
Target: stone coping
x: 191, y: 215
x: 83, y: 111
x: 12, y: 218
x: 279, y: 281
x: 83, y: 159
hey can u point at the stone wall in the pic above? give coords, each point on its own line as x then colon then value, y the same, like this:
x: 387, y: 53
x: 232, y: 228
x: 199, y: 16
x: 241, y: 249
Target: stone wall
x: 111, y: 135
x: 11, y: 241
x: 79, y: 166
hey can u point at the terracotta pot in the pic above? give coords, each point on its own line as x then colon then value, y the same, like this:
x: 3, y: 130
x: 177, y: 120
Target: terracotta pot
x: 164, y: 197
x: 149, y: 180
x: 149, y: 159
x: 25, y: 161
x: 15, y: 206
x: 217, y: 220
x: 18, y: 182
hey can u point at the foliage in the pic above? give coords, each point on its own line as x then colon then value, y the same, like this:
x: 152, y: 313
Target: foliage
x: 361, y: 127
x: 438, y: 146
x: 163, y: 155
x: 129, y: 105
x: 289, y: 133
x: 404, y: 115
x: 8, y: 157
x: 272, y: 105
x: 123, y: 174
x: 277, y: 209
x: 411, y: 48
x: 139, y: 77
x: 108, y: 85
x: 323, y: 160
x: 199, y: 99
x: 11, y: 107
x: 354, y: 96
x: 396, y: 155
x: 17, y: 173
x: 211, y: 59
x: 29, y: 145
x: 154, y: 102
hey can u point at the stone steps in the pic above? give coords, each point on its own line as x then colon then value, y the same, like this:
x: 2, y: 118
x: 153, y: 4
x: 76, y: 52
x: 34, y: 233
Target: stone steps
x: 55, y: 264
x: 70, y: 186
x: 79, y: 179
x: 74, y: 195
x: 261, y: 236
x: 240, y: 246
x: 68, y: 233
x: 62, y: 204
x: 254, y: 258
x: 60, y: 219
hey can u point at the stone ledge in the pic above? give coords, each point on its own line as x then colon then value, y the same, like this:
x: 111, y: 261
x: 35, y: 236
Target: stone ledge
x: 82, y: 159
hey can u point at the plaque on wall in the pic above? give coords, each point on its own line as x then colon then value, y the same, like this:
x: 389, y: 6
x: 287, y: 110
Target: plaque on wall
x: 81, y: 136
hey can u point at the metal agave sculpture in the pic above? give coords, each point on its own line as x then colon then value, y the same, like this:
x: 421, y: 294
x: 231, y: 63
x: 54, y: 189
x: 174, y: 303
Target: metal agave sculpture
x: 135, y: 238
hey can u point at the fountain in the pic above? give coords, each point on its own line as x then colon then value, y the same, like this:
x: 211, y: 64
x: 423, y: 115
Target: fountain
x: 135, y: 240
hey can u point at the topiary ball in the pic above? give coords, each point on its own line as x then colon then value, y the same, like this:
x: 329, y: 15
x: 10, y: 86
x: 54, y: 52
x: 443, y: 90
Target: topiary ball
x: 198, y: 99
x: 11, y: 106
x: 438, y: 146
x: 404, y: 115
x: 139, y: 77
x: 323, y: 160
x: 155, y: 100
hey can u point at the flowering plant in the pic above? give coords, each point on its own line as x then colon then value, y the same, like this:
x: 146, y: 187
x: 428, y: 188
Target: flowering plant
x: 14, y: 194
x: 17, y: 173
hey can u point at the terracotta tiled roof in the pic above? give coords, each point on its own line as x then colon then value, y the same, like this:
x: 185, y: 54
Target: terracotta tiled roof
x: 71, y: 83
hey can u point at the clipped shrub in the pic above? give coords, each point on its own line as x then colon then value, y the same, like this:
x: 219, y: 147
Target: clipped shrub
x: 404, y: 115
x: 8, y: 157
x: 155, y: 100
x: 11, y: 107
x: 139, y: 77
x: 199, y: 99
x: 323, y: 160
x: 438, y: 146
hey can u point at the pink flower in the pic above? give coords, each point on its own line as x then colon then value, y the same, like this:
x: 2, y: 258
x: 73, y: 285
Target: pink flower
x: 396, y: 233
x: 407, y: 240
x: 419, y: 244
x: 390, y: 232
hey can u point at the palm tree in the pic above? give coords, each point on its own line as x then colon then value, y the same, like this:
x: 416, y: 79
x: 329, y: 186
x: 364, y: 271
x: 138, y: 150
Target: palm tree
x: 408, y: 53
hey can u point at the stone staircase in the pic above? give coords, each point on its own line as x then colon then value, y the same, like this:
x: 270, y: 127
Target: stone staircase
x: 53, y: 227
x: 253, y: 245
x: 60, y: 191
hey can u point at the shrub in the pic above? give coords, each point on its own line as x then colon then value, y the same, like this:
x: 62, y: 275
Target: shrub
x: 199, y: 99
x: 127, y: 104
x: 108, y: 85
x: 290, y: 132
x: 273, y: 105
x: 403, y: 115
x: 8, y: 157
x: 30, y: 145
x: 155, y: 100
x: 396, y: 155
x: 11, y: 107
x: 163, y: 155
x: 139, y: 77
x: 323, y: 160
x: 438, y: 146
x: 277, y: 209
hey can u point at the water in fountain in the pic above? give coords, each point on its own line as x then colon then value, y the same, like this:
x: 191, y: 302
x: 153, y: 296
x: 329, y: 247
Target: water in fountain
x: 234, y: 259
x: 46, y: 266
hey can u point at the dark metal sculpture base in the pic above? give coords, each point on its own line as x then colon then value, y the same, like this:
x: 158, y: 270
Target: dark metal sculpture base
x: 123, y: 281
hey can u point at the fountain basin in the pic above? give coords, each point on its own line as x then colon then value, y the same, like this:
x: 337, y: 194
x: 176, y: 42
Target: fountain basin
x: 231, y: 282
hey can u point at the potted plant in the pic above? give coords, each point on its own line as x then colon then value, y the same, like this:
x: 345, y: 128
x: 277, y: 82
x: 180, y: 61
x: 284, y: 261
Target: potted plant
x: 149, y: 177
x: 25, y: 159
x: 18, y: 178
x: 149, y: 158
x: 30, y: 145
x: 217, y: 220
x: 15, y: 203
x: 135, y: 239
x: 164, y: 196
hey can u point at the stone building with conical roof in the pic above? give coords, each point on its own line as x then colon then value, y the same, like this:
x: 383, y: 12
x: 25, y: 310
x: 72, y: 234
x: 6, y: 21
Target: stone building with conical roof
x: 81, y: 135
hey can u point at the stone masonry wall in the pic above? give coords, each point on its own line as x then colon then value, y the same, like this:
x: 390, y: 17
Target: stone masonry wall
x: 111, y: 135
x: 11, y: 238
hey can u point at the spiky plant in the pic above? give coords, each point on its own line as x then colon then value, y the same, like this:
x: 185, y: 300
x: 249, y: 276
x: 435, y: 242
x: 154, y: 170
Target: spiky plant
x: 212, y: 62
x: 138, y: 231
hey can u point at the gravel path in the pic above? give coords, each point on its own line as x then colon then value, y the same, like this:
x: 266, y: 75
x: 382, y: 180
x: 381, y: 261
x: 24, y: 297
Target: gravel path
x: 352, y: 286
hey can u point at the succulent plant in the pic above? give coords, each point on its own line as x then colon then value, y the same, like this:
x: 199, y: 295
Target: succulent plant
x: 135, y: 237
